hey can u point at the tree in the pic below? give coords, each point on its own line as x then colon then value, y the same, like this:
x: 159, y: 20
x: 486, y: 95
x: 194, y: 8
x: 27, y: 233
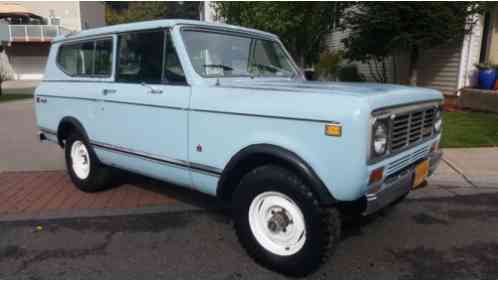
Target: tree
x: 5, y: 70
x: 124, y: 12
x: 119, y: 12
x: 302, y: 26
x: 379, y: 30
x: 328, y: 65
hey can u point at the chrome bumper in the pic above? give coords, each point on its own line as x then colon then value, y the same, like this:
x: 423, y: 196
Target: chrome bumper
x: 398, y: 187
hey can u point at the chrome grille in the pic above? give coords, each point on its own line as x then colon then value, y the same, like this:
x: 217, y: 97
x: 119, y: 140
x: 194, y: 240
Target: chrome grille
x: 411, y: 127
x: 406, y: 160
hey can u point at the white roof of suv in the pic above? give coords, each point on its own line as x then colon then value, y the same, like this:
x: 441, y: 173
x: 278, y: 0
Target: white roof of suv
x: 157, y: 24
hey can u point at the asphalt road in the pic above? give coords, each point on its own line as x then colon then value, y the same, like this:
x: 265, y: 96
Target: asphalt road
x: 451, y: 238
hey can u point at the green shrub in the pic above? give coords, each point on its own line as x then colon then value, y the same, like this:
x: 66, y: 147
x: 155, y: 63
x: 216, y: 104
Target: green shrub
x: 328, y: 65
x: 350, y: 73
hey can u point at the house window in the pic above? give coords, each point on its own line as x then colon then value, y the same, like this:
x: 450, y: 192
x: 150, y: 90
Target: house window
x: 140, y: 57
x: 54, y: 20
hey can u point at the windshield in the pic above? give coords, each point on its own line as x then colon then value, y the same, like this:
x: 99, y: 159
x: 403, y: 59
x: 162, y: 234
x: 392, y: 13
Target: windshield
x: 230, y: 55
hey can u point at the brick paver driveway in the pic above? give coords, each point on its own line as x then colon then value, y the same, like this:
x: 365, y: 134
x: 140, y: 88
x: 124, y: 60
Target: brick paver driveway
x: 42, y: 192
x: 33, y: 180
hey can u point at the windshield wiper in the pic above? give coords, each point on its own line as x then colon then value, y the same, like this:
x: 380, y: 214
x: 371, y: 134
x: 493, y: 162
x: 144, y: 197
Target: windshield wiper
x: 222, y: 66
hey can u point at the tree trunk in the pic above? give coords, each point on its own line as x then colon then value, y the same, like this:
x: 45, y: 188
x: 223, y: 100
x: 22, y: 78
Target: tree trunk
x: 395, y: 69
x: 1, y: 82
x: 301, y: 61
x: 413, y: 71
x: 384, y: 71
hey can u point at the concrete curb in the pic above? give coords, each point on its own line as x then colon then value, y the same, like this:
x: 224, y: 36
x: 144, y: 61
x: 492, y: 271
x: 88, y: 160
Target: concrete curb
x: 448, y: 182
x: 432, y: 192
x: 14, y: 102
x: 177, y: 207
x: 442, y: 191
x: 459, y: 171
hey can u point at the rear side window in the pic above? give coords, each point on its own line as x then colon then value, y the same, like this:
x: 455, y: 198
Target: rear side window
x: 140, y: 56
x: 103, y: 57
x: 91, y: 58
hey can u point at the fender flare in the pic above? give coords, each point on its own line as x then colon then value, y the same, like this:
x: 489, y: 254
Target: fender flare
x: 283, y: 156
x: 73, y: 122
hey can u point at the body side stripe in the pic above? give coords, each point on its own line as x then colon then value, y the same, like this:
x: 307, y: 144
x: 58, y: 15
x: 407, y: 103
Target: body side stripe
x: 160, y: 159
x: 200, y: 110
x: 112, y: 101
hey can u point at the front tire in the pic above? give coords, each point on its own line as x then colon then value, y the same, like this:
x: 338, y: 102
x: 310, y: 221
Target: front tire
x: 280, y: 223
x: 84, y: 168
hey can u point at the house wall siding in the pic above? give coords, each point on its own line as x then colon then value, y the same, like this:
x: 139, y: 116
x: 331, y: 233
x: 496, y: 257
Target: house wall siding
x: 437, y: 68
x: 334, y: 43
x: 493, y: 37
x: 92, y: 14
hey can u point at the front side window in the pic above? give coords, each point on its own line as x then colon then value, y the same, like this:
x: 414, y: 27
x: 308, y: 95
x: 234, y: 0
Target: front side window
x: 230, y: 55
x: 140, y: 56
x: 173, y: 71
x: 91, y: 58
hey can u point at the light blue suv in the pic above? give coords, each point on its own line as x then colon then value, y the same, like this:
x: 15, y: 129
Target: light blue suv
x: 225, y: 110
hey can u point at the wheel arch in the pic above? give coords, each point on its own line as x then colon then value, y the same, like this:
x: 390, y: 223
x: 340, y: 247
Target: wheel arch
x: 66, y: 126
x: 260, y: 154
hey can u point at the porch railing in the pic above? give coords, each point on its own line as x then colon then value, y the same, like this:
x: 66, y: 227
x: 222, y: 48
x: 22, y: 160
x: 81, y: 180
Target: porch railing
x: 30, y: 33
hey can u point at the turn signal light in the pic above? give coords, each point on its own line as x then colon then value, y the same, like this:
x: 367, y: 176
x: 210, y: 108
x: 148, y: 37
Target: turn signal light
x: 333, y: 130
x: 376, y: 175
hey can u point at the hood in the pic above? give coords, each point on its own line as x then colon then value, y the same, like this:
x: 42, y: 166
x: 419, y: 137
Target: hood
x: 377, y: 95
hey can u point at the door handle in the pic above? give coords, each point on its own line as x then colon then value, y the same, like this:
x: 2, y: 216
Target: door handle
x: 106, y: 92
x: 155, y: 91
x: 151, y: 89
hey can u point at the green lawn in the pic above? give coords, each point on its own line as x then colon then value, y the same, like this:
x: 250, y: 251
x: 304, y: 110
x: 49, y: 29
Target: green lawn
x: 469, y: 129
x: 12, y: 97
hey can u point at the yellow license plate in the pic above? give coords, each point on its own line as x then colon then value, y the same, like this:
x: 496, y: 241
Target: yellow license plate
x: 421, y: 173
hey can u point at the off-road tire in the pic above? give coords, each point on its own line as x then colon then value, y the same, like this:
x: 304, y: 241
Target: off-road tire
x: 99, y: 177
x: 322, y: 224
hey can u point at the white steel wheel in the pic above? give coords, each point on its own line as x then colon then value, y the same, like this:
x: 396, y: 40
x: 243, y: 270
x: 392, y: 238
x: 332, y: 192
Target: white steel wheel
x: 277, y: 223
x: 80, y: 159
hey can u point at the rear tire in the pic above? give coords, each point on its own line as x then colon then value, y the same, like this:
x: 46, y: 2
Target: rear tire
x: 83, y: 166
x: 280, y: 223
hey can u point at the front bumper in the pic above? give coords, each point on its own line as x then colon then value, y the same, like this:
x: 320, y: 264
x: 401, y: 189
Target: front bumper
x: 394, y: 188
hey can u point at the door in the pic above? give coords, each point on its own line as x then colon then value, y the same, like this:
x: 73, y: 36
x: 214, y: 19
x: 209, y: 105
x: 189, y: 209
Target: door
x: 144, y: 114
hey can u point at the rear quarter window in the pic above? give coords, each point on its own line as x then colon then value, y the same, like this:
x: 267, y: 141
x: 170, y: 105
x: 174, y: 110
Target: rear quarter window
x: 86, y: 59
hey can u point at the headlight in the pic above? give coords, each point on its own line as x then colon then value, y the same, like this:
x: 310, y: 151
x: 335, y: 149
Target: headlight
x: 379, y: 141
x: 439, y: 121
